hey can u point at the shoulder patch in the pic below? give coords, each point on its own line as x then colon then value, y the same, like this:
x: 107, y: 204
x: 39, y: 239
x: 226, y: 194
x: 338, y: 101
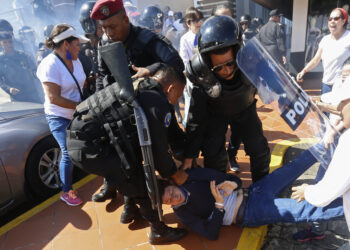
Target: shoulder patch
x: 167, y: 119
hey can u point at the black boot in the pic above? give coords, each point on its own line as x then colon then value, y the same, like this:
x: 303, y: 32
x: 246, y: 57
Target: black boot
x: 161, y: 233
x: 130, y: 212
x: 105, y: 194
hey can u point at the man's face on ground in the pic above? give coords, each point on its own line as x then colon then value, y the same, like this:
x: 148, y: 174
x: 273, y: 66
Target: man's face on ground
x: 223, y: 65
x: 172, y: 196
x: 116, y: 27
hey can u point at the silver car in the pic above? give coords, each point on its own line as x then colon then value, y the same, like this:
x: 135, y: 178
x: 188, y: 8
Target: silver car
x: 29, y: 155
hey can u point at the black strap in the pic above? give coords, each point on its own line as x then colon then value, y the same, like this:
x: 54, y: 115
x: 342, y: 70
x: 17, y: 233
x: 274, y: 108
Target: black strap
x: 76, y: 82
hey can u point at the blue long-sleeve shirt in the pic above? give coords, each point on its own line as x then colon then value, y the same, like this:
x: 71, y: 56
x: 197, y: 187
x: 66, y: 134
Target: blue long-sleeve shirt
x: 199, y: 212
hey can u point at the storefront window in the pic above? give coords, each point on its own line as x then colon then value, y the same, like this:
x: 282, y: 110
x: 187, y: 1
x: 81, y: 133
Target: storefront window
x: 319, y: 11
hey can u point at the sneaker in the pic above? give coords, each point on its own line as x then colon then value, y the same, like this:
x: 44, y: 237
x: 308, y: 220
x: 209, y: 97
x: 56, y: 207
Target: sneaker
x: 71, y: 198
x: 234, y: 167
x: 308, y: 234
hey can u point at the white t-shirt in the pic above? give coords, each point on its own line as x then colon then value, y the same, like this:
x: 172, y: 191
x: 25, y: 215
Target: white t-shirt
x: 334, y: 96
x: 187, y: 46
x: 334, y: 54
x: 51, y: 69
x: 336, y: 181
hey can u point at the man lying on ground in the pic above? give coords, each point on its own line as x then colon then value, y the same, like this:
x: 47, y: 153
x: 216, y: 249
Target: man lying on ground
x: 204, y: 206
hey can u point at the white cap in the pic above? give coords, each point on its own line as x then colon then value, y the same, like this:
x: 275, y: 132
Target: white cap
x: 171, y: 13
x: 338, y: 95
x: 69, y: 33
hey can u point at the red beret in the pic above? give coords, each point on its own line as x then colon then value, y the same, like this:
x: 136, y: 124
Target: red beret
x: 104, y: 9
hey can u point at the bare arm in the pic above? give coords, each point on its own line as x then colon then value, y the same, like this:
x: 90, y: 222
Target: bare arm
x: 312, y: 64
x: 53, y: 91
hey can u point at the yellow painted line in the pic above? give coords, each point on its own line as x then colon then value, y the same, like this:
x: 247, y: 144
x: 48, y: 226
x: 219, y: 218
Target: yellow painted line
x: 252, y: 238
x: 25, y: 216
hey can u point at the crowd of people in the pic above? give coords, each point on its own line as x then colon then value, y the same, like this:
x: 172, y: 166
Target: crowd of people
x: 169, y: 56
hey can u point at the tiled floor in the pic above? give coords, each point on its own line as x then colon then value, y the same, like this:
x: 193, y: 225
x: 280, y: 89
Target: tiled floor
x: 96, y: 225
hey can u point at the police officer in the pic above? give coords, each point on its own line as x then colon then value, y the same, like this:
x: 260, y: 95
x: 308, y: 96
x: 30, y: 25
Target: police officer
x: 6, y: 27
x: 248, y: 31
x: 257, y: 23
x: 17, y: 73
x: 145, y: 51
x: 272, y: 36
x: 88, y: 51
x: 153, y: 18
x: 222, y: 95
x: 156, y: 96
x: 43, y: 50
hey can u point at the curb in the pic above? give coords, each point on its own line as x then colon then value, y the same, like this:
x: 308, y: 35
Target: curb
x: 37, y: 209
x: 253, y: 238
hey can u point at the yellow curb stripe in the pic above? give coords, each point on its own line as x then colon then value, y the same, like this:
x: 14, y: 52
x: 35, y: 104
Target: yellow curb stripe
x: 30, y: 213
x: 253, y: 238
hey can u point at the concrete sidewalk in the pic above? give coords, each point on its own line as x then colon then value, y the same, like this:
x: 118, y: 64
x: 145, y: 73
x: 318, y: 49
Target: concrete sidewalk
x: 280, y: 235
x: 53, y: 225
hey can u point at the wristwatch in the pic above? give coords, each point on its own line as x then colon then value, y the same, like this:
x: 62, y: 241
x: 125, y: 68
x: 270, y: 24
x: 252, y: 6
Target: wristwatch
x: 221, y: 209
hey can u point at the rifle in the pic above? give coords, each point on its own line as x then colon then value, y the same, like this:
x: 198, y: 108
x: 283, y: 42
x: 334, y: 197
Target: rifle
x: 114, y: 56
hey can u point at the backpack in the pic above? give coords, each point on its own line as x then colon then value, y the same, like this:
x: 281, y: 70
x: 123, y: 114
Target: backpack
x: 101, y: 123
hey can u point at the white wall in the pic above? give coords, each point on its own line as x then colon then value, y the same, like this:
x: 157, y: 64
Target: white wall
x: 175, y: 5
x: 300, y: 9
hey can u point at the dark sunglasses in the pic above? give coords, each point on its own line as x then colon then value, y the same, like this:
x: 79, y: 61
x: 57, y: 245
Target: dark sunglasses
x: 218, y: 68
x: 336, y: 18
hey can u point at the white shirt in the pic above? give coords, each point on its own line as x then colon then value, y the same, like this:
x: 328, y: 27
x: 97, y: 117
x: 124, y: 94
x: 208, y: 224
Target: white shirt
x: 334, y: 54
x: 187, y: 46
x: 51, y: 69
x: 336, y: 181
x: 334, y: 96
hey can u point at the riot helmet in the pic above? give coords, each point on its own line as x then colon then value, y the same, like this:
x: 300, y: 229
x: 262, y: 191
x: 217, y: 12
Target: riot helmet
x: 87, y: 23
x: 152, y: 18
x: 26, y: 33
x: 47, y: 31
x: 5, y: 26
x: 245, y: 19
x: 216, y: 33
x: 257, y: 23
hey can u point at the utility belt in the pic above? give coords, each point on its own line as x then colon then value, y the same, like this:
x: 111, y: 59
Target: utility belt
x: 241, y: 210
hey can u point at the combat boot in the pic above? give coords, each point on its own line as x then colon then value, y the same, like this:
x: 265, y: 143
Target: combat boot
x: 130, y: 212
x: 161, y: 233
x: 105, y: 194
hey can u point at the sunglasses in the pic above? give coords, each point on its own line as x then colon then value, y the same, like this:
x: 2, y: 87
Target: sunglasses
x: 218, y: 68
x: 336, y: 18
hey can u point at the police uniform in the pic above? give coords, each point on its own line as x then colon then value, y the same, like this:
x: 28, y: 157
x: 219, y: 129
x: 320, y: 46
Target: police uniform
x: 235, y: 104
x: 17, y: 71
x: 208, y: 121
x: 272, y: 36
x: 248, y: 34
x: 164, y: 131
x: 143, y: 48
x: 88, y: 58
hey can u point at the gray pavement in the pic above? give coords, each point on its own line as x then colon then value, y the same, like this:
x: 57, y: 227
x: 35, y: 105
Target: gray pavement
x: 280, y: 235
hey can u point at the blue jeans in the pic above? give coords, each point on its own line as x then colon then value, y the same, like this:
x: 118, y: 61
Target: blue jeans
x: 326, y: 88
x: 327, y: 157
x: 264, y: 206
x: 58, y: 127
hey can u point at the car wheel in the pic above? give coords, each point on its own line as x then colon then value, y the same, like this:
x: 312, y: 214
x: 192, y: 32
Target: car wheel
x: 42, y: 168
